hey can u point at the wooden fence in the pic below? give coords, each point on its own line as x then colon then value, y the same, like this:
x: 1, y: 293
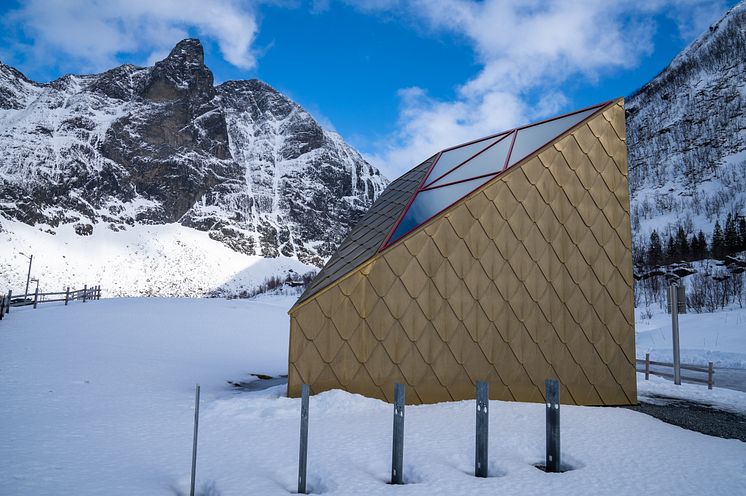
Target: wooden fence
x: 709, y: 370
x: 36, y: 298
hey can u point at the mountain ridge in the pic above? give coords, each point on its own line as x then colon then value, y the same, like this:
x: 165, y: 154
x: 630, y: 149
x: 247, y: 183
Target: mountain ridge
x: 163, y: 144
x: 686, y: 135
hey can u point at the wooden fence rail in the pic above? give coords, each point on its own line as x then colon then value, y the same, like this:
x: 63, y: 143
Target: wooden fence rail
x: 709, y: 370
x: 36, y: 298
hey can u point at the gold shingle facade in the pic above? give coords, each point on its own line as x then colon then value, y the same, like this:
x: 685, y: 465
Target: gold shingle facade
x: 527, y: 278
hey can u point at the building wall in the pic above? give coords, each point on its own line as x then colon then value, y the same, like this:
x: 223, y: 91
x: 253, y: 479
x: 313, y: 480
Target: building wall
x: 528, y: 278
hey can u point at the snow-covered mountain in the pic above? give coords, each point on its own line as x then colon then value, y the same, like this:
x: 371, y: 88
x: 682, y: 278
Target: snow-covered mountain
x: 162, y: 145
x: 686, y: 135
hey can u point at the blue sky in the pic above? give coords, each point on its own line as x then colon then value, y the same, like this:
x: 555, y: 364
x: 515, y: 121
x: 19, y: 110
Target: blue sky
x: 398, y: 79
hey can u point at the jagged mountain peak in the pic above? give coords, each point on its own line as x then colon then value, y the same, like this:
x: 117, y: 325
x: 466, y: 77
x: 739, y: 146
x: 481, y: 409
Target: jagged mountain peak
x: 182, y: 72
x: 7, y: 69
x: 161, y: 144
x: 188, y: 51
x: 14, y: 87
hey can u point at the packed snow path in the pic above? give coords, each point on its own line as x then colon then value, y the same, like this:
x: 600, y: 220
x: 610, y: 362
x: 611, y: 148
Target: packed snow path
x: 98, y: 399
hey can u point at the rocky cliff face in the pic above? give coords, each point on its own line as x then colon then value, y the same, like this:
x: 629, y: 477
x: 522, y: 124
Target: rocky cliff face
x: 686, y: 134
x: 162, y: 144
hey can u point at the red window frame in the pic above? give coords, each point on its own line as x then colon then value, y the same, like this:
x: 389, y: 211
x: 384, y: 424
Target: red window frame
x: 511, y: 133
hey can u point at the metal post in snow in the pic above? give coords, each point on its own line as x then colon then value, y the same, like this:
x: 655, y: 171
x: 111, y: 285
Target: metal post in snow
x: 28, y: 276
x: 36, y: 295
x: 303, y: 451
x: 710, y: 382
x: 7, y: 302
x: 194, y: 441
x: 480, y: 457
x: 675, y: 330
x: 2, y: 307
x: 647, y: 366
x: 67, y: 295
x: 553, y: 425
x: 397, y: 452
x: 85, y: 292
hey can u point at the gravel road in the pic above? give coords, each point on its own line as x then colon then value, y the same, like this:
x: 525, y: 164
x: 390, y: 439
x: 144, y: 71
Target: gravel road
x: 695, y: 417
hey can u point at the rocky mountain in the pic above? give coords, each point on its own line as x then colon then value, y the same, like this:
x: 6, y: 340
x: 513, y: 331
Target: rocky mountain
x: 161, y: 145
x: 686, y: 135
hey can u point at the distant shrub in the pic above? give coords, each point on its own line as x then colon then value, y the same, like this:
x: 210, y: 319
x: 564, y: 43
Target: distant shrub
x: 292, y: 283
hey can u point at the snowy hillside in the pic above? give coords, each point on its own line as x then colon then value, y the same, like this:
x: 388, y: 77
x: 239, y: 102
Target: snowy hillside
x: 98, y: 399
x: 686, y: 135
x: 165, y: 260
x: 160, y: 145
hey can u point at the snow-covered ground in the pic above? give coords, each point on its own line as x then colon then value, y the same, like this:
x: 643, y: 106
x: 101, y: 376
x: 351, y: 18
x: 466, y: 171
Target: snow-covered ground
x: 164, y: 260
x: 97, y: 398
x: 651, y: 391
x: 718, y: 337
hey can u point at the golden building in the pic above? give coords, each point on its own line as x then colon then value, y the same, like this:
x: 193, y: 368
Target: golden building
x: 507, y: 259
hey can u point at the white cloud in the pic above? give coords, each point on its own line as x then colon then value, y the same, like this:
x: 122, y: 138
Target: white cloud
x: 93, y: 33
x: 526, y: 48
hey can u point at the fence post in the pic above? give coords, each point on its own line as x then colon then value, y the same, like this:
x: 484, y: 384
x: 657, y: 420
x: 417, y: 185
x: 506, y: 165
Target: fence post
x: 553, y: 426
x: 98, y: 292
x: 673, y: 292
x: 397, y: 452
x: 194, y: 441
x: 36, y: 296
x: 67, y: 295
x: 85, y: 292
x: 2, y: 307
x: 647, y: 366
x: 7, y: 303
x: 303, y: 451
x: 480, y: 458
x: 710, y: 382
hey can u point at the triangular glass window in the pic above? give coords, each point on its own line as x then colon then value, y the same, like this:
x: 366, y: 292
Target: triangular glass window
x: 490, y: 160
x: 429, y: 202
x: 461, y: 170
x: 529, y: 139
x: 453, y: 157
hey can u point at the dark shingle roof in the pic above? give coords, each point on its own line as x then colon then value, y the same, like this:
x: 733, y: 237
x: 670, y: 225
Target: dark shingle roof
x: 371, y: 231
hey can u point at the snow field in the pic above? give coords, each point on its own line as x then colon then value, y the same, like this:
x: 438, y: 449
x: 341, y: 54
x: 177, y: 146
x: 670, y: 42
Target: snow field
x: 163, y: 260
x: 718, y: 337
x: 98, y: 399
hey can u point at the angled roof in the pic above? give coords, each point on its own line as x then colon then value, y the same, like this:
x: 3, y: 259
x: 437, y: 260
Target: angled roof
x: 372, y: 230
x: 436, y: 184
